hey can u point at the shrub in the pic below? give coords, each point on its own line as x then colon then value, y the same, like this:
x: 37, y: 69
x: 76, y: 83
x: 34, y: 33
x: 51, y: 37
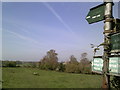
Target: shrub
x: 9, y: 63
x: 116, y: 82
x: 72, y: 68
x: 85, y: 68
x: 61, y: 67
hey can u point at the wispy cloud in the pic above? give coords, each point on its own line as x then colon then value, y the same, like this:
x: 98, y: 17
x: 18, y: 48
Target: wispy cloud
x: 14, y: 23
x: 23, y: 29
x: 24, y: 37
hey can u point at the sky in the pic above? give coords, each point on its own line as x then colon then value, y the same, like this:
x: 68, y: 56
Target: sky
x: 30, y: 29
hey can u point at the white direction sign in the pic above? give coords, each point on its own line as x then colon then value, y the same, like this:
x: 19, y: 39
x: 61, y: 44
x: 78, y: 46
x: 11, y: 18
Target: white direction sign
x: 114, y: 65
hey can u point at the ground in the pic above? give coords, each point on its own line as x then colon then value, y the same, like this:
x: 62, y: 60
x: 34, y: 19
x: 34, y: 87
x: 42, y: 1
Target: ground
x: 25, y: 78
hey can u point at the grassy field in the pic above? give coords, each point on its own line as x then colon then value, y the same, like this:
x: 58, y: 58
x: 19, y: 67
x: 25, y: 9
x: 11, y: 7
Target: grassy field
x: 24, y: 78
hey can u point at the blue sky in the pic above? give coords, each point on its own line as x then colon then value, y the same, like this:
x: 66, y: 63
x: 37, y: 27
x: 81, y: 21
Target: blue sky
x: 30, y: 29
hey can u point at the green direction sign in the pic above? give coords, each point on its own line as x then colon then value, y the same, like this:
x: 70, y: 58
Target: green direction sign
x: 116, y: 25
x: 115, y: 43
x: 114, y: 65
x: 96, y: 14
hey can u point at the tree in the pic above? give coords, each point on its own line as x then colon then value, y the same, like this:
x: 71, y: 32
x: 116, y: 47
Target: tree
x: 50, y: 61
x: 85, y: 64
x: 72, y: 65
x: 84, y: 59
x: 83, y: 55
x: 73, y: 59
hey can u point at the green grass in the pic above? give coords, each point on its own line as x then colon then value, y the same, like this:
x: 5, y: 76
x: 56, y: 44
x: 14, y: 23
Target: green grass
x: 24, y: 78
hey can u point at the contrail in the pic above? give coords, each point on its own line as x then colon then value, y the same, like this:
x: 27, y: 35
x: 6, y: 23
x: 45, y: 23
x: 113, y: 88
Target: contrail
x: 59, y: 18
x: 23, y: 30
x: 21, y: 27
x: 24, y: 37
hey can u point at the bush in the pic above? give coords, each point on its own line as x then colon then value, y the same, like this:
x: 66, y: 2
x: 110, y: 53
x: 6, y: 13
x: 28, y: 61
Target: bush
x: 9, y: 63
x: 72, y: 68
x: 61, y: 67
x: 78, y: 68
x: 116, y: 82
x: 85, y: 68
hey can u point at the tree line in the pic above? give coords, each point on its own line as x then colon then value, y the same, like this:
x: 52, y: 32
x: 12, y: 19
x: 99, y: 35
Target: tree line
x: 50, y: 62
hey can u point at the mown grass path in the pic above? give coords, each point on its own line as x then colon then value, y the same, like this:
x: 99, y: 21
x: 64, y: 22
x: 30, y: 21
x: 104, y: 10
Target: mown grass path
x: 24, y: 78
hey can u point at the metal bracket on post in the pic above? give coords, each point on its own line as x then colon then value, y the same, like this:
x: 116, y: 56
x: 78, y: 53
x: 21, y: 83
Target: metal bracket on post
x: 108, y: 31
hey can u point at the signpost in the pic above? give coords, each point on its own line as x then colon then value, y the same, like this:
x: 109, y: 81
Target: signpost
x: 109, y: 63
x: 96, y: 14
